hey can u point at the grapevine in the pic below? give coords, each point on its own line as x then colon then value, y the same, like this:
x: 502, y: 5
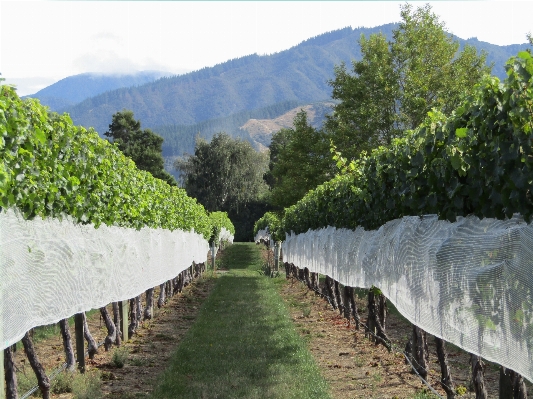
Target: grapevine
x: 51, y: 168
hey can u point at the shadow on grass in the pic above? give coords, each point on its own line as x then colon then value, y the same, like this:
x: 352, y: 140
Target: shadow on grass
x: 243, y: 344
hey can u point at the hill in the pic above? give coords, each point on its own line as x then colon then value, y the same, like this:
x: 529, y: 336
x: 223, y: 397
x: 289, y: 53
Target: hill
x: 244, y: 84
x: 74, y: 89
x: 298, y: 74
x: 256, y: 126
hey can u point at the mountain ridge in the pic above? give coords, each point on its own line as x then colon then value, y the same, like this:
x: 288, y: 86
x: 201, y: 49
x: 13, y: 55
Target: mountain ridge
x: 76, y: 88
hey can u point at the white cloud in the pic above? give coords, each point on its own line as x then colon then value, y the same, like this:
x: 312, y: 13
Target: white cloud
x: 104, y: 61
x: 110, y: 62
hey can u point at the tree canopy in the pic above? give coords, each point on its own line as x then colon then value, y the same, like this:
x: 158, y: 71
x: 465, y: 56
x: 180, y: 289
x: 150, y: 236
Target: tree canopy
x: 226, y: 174
x: 395, y: 84
x: 143, y: 146
x: 299, y: 161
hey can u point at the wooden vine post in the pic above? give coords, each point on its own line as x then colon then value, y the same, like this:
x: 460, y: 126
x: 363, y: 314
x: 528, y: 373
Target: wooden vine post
x: 276, y: 256
x: 213, y: 265
x: 80, y: 342
x: 123, y: 310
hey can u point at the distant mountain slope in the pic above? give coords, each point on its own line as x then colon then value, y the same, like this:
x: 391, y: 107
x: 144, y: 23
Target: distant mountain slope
x: 256, y: 126
x: 260, y: 131
x: 298, y: 74
x: 74, y: 89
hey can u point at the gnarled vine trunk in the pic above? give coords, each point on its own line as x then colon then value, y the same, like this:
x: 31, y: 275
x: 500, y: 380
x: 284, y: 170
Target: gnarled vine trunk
x: 330, y: 292
x: 138, y: 309
x: 446, y: 377
x: 161, y: 300
x: 307, y: 278
x: 301, y: 275
x: 314, y: 281
x: 169, y: 288
x: 478, y: 376
x: 420, y: 351
x: 92, y: 348
x: 116, y: 320
x: 353, y: 306
x: 42, y: 379
x: 376, y: 330
x: 338, y: 297
x: 180, y: 282
x: 111, y: 330
x: 10, y: 374
x: 67, y: 345
x: 511, y: 384
x: 346, y: 292
x: 149, y: 309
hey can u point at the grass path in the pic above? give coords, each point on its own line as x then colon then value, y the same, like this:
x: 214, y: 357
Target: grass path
x: 243, y: 344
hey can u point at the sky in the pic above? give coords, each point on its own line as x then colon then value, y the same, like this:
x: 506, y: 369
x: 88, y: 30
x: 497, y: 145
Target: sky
x: 42, y: 42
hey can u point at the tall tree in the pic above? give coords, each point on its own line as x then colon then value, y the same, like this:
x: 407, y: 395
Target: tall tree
x: 366, y: 115
x: 143, y: 146
x: 395, y: 84
x: 299, y: 161
x: 226, y: 174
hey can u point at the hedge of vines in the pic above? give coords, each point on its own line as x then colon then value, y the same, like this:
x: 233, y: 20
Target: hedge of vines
x: 478, y: 161
x: 218, y: 221
x: 272, y: 221
x: 51, y: 168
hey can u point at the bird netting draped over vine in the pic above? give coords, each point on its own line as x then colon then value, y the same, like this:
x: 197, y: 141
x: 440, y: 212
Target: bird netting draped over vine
x: 52, y: 269
x: 468, y: 282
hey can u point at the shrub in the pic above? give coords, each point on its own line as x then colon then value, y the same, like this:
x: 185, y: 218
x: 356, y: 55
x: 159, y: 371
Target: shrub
x: 87, y: 386
x: 120, y: 355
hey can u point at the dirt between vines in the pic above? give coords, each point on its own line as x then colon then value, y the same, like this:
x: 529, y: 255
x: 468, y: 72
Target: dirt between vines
x: 353, y: 366
x: 149, y: 350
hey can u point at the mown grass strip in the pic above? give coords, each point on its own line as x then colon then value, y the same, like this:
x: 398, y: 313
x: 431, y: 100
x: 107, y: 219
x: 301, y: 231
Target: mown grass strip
x: 243, y: 344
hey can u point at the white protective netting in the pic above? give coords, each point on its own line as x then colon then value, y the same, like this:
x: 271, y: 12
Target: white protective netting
x: 225, y: 235
x: 468, y: 282
x: 264, y: 236
x: 51, y: 269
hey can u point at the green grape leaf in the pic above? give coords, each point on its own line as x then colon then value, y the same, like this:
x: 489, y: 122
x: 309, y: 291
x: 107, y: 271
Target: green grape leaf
x: 461, y: 132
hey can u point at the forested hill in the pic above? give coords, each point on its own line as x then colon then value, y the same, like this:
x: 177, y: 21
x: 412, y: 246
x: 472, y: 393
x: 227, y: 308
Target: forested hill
x: 255, y: 126
x: 74, y: 89
x: 298, y: 74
